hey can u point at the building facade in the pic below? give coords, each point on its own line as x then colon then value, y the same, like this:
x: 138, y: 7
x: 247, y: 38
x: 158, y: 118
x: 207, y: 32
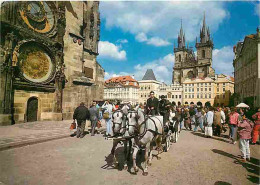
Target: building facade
x: 148, y: 84
x: 122, y: 88
x: 186, y: 64
x: 172, y: 92
x: 48, y: 59
x: 247, y: 70
x: 208, y: 91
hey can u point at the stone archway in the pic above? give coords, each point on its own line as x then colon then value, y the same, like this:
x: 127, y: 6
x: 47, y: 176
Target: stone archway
x: 207, y: 104
x: 199, y: 103
x: 32, y: 109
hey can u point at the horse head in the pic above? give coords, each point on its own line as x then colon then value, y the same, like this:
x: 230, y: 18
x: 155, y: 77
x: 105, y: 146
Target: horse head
x: 135, y: 118
x: 118, y: 122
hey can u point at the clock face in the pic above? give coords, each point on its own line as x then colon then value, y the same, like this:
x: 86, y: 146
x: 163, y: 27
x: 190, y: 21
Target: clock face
x: 38, y: 16
x: 35, y: 64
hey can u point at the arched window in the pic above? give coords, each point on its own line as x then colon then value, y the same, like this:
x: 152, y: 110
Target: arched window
x: 179, y: 57
x: 203, y: 54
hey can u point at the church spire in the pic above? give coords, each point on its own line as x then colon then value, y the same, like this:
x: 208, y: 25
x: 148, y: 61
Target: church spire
x: 204, y: 31
x: 181, y: 38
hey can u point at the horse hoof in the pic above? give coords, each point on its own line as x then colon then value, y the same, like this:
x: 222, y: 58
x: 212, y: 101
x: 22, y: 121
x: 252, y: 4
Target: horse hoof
x: 125, y: 167
x: 145, y: 173
x: 136, y: 170
x: 149, y: 164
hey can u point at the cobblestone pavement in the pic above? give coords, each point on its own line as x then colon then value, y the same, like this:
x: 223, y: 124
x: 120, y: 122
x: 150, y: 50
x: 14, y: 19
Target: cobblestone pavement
x: 193, y: 160
x: 33, y: 132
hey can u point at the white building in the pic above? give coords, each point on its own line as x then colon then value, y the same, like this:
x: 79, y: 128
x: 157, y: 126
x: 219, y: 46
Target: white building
x: 148, y: 84
x: 173, y: 93
x: 122, y: 88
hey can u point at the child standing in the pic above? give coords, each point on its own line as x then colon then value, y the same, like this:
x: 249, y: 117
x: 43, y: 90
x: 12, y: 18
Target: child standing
x: 245, y: 128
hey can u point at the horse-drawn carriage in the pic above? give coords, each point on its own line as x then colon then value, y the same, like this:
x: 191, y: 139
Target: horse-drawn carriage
x: 139, y: 131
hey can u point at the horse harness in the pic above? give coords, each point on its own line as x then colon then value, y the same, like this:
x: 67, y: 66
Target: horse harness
x: 120, y: 124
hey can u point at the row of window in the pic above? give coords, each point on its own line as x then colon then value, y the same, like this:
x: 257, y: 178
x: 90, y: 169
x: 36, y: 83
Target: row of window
x: 198, y: 89
x: 198, y: 84
x: 198, y: 96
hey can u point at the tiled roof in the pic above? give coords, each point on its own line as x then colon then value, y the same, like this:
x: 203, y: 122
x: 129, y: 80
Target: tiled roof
x: 149, y: 75
x: 121, y: 80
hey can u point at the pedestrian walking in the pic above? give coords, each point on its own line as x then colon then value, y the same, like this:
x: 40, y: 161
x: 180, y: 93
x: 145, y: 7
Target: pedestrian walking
x: 245, y: 127
x: 256, y: 130
x: 187, y: 120
x: 217, y: 122
x: 209, y: 122
x: 81, y: 114
x: 233, y: 122
x: 108, y: 116
x: 94, y: 117
x: 199, y: 120
x: 223, y: 120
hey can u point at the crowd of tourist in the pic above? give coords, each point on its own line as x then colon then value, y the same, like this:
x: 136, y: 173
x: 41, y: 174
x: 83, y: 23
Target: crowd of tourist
x: 242, y: 123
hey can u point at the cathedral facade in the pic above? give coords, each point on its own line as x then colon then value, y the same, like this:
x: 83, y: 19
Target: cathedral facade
x: 48, y: 60
x: 187, y: 65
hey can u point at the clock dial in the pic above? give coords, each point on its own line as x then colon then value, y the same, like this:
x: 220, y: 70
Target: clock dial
x: 38, y: 16
x: 35, y: 64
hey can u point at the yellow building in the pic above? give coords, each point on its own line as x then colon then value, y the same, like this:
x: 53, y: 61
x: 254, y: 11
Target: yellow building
x: 208, y: 91
x: 148, y: 84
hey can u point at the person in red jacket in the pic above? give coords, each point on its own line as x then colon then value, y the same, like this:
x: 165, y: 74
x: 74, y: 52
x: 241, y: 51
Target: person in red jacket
x: 256, y: 130
x: 245, y: 127
x: 233, y: 122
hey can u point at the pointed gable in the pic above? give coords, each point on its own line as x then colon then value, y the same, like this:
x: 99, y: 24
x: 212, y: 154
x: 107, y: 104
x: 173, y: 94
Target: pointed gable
x: 149, y: 75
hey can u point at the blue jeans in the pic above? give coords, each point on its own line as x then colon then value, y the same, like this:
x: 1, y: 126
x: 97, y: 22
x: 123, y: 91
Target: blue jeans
x: 109, y: 126
x: 200, y: 125
x: 233, y: 132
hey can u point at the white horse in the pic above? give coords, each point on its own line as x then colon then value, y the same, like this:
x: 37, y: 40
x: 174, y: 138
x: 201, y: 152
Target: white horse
x: 148, y: 130
x: 119, y: 130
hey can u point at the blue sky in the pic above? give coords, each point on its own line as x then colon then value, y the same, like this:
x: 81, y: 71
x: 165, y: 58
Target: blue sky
x: 136, y: 36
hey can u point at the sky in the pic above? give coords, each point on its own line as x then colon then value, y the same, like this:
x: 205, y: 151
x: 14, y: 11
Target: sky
x: 140, y: 35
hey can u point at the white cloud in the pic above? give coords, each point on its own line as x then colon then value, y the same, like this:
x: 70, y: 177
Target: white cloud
x: 113, y: 74
x: 141, y: 37
x: 155, y: 41
x: 162, y: 19
x: 122, y: 41
x: 223, y: 60
x: 110, y: 50
x: 162, y: 69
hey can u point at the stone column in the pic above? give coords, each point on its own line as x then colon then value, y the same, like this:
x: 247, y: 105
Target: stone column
x: 6, y: 81
x: 59, y: 79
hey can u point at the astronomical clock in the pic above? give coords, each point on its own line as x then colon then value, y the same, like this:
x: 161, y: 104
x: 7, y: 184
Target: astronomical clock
x: 39, y: 16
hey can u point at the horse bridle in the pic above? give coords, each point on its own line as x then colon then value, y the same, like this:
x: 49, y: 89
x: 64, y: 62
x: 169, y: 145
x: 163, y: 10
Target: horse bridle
x: 120, y: 124
x: 135, y: 126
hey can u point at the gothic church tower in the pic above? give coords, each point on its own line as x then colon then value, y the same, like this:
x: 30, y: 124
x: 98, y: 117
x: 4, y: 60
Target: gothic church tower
x: 181, y: 53
x: 204, y: 52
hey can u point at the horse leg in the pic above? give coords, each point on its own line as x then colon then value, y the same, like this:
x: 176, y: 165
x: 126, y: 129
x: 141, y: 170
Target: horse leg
x: 126, y: 154
x: 150, y: 156
x: 159, y: 146
x: 115, y: 143
x: 134, y: 159
x: 147, y: 150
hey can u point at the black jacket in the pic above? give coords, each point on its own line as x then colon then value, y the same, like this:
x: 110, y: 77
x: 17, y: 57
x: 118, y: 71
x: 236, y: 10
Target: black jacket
x: 152, y: 103
x: 81, y: 113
